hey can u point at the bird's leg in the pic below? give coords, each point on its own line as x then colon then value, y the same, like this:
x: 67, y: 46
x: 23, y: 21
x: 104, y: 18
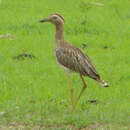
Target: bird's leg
x: 82, y: 90
x: 71, y: 91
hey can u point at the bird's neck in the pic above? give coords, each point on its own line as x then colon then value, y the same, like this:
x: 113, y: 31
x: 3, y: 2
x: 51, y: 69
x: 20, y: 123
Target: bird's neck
x: 59, y: 31
x: 59, y: 36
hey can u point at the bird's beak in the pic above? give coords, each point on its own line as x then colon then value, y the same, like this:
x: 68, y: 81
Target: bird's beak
x: 45, y: 20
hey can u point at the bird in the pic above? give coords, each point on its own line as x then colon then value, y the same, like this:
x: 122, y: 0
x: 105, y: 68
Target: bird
x: 71, y: 58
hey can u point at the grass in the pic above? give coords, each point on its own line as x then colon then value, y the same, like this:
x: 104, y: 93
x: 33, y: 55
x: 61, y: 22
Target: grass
x: 34, y: 92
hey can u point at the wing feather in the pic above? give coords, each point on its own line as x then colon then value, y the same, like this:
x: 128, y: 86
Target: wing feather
x: 75, y: 59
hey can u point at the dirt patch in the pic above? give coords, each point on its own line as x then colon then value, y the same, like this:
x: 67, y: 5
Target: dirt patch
x: 108, y: 47
x: 84, y: 22
x: 24, y: 56
x: 96, y: 126
x: 92, y: 101
x: 8, y: 36
x: 84, y: 46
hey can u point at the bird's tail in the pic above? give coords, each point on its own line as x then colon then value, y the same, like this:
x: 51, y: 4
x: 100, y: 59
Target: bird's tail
x: 103, y: 83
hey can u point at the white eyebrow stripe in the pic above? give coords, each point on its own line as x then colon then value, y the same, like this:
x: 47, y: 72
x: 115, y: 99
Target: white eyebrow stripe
x: 59, y: 17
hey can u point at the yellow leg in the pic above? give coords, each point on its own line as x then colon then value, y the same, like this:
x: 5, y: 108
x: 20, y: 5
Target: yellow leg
x: 71, y: 91
x: 82, y: 90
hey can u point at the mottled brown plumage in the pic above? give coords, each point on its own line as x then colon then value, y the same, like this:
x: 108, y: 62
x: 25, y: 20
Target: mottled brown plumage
x: 71, y: 59
x: 74, y: 59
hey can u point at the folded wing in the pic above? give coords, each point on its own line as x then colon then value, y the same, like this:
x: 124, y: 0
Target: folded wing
x: 74, y: 59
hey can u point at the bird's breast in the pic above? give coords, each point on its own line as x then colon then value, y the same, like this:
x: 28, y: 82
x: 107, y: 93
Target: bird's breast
x: 67, y: 70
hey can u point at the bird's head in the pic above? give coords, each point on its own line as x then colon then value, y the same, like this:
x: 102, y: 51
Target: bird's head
x: 54, y: 18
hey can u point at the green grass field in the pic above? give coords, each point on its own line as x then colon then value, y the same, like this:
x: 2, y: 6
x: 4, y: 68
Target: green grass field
x: 34, y: 92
